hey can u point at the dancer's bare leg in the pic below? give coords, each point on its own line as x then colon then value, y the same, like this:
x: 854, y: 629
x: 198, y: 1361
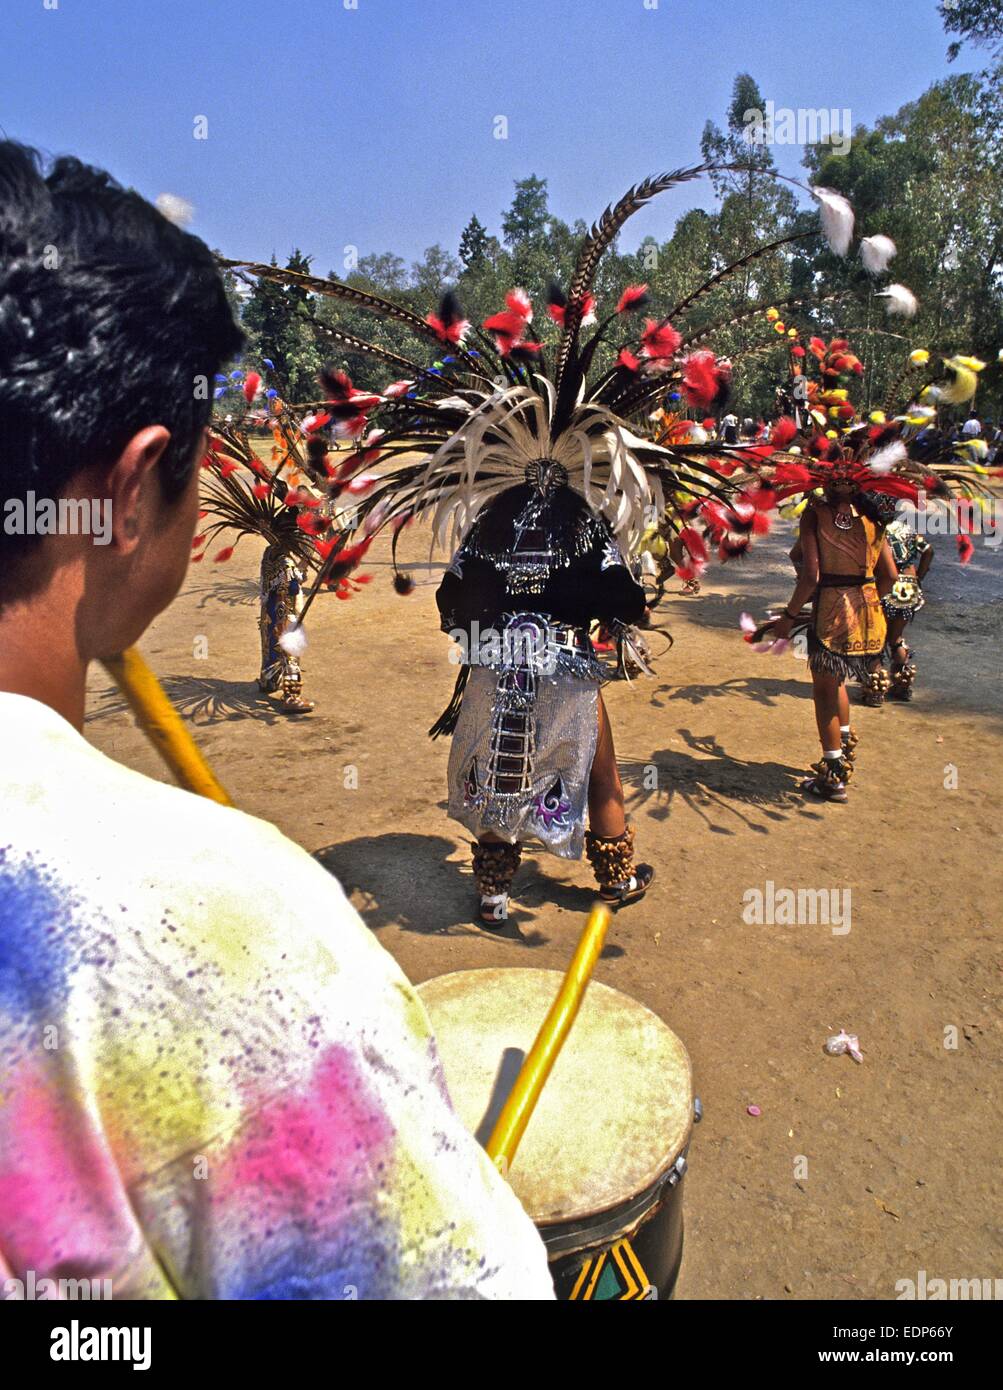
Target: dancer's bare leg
x: 606, y: 810
x: 609, y: 844
x: 844, y: 705
x: 831, y: 703
x: 832, y: 710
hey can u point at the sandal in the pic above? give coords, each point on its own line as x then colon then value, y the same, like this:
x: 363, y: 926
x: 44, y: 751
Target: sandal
x: 620, y: 880
x: 495, y: 865
x: 620, y: 894
x: 295, y: 704
x: 828, y: 780
x: 494, y: 910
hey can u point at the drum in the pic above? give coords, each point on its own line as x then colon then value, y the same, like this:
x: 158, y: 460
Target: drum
x: 601, y: 1163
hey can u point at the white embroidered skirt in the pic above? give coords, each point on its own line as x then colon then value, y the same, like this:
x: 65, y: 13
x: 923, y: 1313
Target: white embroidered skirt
x: 521, y: 757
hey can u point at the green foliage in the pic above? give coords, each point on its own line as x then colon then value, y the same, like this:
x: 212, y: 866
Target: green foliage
x: 277, y: 325
x: 980, y: 21
x: 474, y: 244
x: 930, y: 177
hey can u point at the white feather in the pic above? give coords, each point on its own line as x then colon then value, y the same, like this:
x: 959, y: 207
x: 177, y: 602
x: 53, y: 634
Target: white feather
x: 900, y: 300
x: 886, y: 459
x: 177, y: 210
x: 293, y: 641
x: 876, y: 252
x: 837, y: 219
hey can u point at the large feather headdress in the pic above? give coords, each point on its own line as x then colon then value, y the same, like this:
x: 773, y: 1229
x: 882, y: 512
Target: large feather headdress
x: 493, y: 403
x: 492, y: 408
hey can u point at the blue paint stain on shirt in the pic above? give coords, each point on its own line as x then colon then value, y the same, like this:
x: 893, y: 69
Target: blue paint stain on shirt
x: 36, y: 914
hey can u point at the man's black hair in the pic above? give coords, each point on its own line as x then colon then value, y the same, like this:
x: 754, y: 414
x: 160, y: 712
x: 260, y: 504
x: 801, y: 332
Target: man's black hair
x: 111, y: 319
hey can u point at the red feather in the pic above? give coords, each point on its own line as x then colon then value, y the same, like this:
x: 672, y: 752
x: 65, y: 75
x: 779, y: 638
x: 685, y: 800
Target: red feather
x: 733, y: 546
x: 520, y: 304
x: 783, y: 432
x: 659, y: 340
x: 694, y: 543
x: 508, y: 324
x: 449, y: 323
x: 700, y: 378
x: 337, y: 385
x: 633, y: 298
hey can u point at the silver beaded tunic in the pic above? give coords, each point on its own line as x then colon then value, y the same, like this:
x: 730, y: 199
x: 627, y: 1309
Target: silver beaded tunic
x: 524, y: 742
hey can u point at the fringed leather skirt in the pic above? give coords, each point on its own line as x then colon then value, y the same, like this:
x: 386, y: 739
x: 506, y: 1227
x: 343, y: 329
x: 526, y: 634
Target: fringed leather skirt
x: 848, y: 627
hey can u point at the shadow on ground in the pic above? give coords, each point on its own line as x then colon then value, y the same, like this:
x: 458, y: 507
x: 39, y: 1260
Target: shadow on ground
x: 410, y: 882
x: 202, y: 701
x: 762, y: 690
x: 716, y: 785
x: 233, y: 593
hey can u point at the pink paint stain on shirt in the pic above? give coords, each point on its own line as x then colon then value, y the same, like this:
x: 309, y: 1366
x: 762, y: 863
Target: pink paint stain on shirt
x: 60, y: 1188
x: 332, y: 1129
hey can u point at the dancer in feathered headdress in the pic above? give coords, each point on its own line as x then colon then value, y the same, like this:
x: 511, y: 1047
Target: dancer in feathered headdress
x: 913, y: 556
x: 292, y: 503
x: 532, y: 472
x: 851, y: 475
x: 959, y: 466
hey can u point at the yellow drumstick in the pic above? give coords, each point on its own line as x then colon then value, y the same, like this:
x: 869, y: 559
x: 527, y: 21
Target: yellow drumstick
x: 532, y: 1078
x: 162, y: 725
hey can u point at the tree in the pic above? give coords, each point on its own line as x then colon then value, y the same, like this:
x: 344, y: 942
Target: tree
x: 979, y: 21
x: 277, y: 317
x: 434, y: 274
x: 385, y: 271
x: 474, y: 243
x: 526, y: 220
x: 931, y: 177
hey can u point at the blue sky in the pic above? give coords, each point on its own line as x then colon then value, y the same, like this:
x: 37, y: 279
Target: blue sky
x: 370, y: 123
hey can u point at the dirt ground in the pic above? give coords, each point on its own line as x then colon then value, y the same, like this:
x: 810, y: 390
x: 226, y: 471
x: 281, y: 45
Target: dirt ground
x: 853, y: 1176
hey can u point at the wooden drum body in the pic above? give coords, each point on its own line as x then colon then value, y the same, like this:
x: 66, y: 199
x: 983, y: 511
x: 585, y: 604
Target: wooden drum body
x: 600, y: 1166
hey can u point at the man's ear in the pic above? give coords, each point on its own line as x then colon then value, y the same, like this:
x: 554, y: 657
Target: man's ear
x: 128, y: 482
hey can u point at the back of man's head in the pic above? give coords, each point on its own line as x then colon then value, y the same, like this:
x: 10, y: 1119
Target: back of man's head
x: 112, y: 320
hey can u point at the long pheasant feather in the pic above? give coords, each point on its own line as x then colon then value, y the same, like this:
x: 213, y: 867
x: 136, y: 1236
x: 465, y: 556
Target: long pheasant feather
x: 362, y: 299
x: 734, y: 268
x: 598, y: 240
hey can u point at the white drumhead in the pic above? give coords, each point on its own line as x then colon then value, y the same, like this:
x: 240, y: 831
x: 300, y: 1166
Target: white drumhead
x: 616, y: 1111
